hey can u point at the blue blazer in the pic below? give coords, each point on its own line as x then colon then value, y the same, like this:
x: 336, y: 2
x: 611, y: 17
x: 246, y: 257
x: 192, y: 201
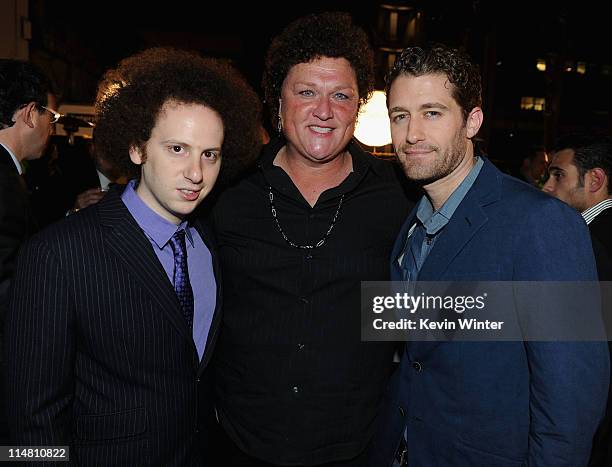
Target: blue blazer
x: 498, y: 403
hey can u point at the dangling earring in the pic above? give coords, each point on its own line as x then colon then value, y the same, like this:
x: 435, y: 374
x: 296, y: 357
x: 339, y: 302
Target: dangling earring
x: 279, y: 125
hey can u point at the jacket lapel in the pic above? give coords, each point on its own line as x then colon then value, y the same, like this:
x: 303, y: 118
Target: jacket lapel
x: 466, y: 221
x: 208, y: 238
x: 126, y: 239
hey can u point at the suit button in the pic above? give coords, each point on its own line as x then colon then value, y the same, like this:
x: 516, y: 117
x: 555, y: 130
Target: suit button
x: 402, y: 411
x: 300, y: 346
x: 295, y: 389
x: 309, y: 256
x: 198, y: 379
x: 417, y: 366
x: 304, y: 300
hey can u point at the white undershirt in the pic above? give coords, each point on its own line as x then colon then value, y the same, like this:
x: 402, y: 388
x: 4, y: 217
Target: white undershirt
x: 594, y: 211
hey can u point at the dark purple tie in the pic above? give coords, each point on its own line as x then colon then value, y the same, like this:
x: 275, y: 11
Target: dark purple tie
x: 182, y: 285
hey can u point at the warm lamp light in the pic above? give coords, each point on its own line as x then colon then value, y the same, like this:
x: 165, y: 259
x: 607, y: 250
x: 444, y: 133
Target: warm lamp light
x: 372, y: 128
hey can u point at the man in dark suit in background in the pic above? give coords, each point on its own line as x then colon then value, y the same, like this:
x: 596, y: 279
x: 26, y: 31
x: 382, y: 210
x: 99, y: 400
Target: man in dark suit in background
x: 73, y: 177
x: 487, y: 403
x: 96, y: 176
x: 533, y: 166
x: 115, y: 310
x: 580, y: 173
x: 26, y: 122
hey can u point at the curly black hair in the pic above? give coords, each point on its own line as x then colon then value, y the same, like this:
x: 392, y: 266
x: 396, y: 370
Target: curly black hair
x: 440, y: 59
x: 131, y: 96
x: 21, y: 83
x: 328, y: 34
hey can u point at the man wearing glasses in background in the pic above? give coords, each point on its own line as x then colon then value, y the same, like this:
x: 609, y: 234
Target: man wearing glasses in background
x: 26, y: 122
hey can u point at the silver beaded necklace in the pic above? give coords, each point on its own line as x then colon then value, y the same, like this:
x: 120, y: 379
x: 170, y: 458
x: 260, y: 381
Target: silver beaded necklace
x: 288, y: 240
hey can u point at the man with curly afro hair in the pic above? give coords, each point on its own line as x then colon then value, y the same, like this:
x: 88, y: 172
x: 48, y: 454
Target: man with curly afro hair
x: 295, y: 384
x: 116, y: 309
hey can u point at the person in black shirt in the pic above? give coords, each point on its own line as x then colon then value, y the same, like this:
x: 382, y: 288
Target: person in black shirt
x: 295, y: 383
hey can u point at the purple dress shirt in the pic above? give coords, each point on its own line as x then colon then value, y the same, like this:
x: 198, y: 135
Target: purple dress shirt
x: 199, y: 260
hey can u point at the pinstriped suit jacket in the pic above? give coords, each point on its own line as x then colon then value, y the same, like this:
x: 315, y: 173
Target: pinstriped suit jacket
x: 99, y: 355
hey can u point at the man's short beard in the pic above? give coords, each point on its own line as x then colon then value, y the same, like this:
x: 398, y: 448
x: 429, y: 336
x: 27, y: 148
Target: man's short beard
x: 440, y: 167
x: 577, y: 198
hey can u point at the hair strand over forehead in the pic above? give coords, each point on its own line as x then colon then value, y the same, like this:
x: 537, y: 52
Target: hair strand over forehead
x: 131, y: 97
x: 440, y: 59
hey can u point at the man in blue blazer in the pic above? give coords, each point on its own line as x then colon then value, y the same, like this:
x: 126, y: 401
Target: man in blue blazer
x: 484, y: 403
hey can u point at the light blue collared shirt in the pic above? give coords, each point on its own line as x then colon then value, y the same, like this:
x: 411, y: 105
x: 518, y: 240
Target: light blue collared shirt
x: 435, y: 221
x: 199, y: 260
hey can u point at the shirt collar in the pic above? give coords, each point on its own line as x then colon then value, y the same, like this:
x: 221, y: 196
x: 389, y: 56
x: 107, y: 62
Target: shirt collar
x: 594, y: 211
x: 435, y: 221
x: 157, y: 228
x: 279, y: 180
x: 104, y: 180
x: 15, y: 160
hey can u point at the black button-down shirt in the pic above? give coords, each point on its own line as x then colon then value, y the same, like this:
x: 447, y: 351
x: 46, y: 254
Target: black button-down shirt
x: 295, y: 382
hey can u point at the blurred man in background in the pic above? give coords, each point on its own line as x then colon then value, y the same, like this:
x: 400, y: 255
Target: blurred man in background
x: 579, y: 174
x: 26, y: 122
